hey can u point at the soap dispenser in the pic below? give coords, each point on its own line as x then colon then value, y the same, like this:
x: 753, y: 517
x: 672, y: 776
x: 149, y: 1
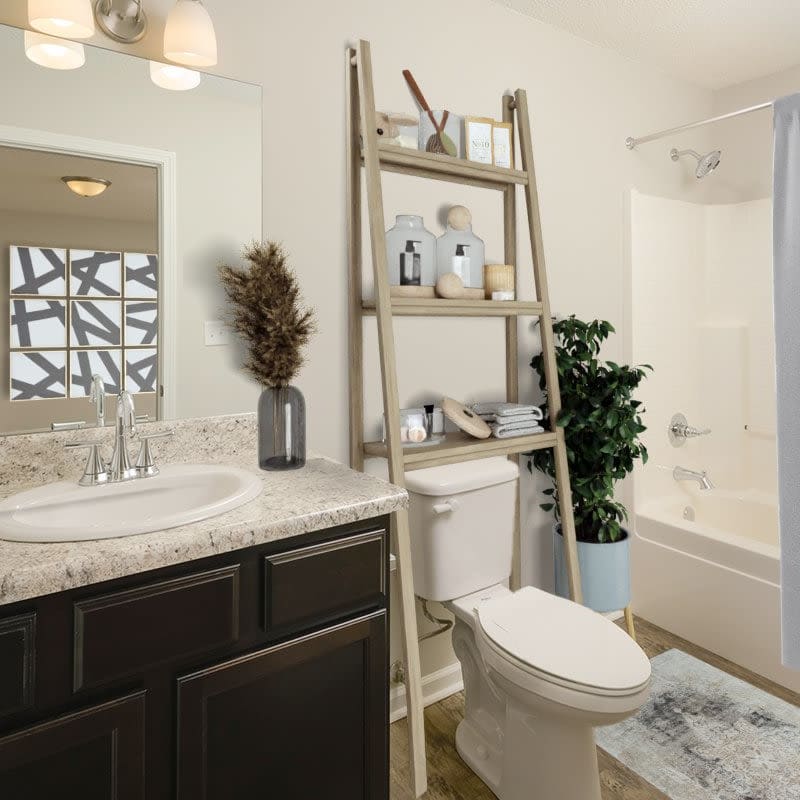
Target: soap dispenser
x: 459, y: 250
x: 410, y: 252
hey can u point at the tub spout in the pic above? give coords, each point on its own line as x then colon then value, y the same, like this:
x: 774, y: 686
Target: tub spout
x: 683, y: 474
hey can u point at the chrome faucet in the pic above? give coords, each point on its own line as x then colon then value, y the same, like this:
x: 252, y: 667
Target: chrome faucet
x: 97, y: 397
x: 121, y: 468
x: 683, y: 474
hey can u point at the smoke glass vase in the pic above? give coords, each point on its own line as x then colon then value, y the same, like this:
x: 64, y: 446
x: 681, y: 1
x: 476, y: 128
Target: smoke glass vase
x: 281, y: 428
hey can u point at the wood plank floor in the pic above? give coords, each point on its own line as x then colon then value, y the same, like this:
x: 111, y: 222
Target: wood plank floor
x: 450, y: 779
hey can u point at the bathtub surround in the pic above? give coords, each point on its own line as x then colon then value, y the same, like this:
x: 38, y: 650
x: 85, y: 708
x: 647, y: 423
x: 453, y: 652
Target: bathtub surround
x: 322, y: 495
x: 716, y: 365
x: 706, y: 735
x: 786, y: 253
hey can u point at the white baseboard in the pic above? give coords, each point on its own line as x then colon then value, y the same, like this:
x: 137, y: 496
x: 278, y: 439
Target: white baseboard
x: 435, y: 687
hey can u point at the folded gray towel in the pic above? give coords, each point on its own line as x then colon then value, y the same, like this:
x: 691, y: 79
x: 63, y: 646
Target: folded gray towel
x: 506, y: 409
x: 515, y: 423
x: 507, y: 418
x: 502, y: 432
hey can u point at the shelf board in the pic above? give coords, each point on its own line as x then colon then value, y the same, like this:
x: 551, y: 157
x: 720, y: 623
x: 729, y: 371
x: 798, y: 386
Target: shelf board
x: 423, y: 307
x: 446, y: 168
x: 460, y: 447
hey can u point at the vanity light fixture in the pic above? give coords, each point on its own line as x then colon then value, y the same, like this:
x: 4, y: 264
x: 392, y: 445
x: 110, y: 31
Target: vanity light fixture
x: 70, y: 18
x: 189, y: 36
x: 85, y: 186
x: 171, y: 76
x: 52, y: 52
x: 121, y: 20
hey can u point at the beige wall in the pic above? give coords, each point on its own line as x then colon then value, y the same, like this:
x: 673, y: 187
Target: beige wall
x: 584, y: 101
x: 747, y: 141
x: 67, y: 232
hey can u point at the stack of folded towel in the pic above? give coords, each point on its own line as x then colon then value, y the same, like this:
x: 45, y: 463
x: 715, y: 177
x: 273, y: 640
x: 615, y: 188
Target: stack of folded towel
x: 510, y: 419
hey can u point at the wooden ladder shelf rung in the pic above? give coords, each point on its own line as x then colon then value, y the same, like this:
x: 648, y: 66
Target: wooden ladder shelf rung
x: 420, y: 164
x: 423, y: 307
x: 460, y: 447
x: 376, y: 156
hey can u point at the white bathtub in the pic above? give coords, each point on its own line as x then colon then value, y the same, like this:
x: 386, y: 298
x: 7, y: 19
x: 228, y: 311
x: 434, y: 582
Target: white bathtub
x: 706, y: 567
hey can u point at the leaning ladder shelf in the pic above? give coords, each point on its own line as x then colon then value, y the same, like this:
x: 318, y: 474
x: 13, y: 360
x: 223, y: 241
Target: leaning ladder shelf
x: 376, y: 156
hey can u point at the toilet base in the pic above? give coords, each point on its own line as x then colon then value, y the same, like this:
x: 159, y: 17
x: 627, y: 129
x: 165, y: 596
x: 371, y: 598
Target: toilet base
x: 542, y: 759
x: 485, y: 761
x: 522, y: 744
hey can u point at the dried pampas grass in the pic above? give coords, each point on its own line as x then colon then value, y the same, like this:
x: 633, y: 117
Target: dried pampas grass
x: 267, y: 314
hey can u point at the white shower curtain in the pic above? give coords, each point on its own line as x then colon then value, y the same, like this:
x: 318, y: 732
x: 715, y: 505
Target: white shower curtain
x: 786, y: 266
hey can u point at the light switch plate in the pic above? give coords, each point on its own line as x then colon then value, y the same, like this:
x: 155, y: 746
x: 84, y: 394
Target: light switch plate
x: 216, y: 333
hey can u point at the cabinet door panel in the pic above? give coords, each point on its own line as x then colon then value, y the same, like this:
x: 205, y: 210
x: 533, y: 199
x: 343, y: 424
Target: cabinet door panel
x: 304, y: 719
x: 94, y: 754
x: 17, y: 657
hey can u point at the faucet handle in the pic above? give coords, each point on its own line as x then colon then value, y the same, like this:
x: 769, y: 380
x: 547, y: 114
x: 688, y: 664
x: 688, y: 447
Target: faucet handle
x: 680, y: 430
x: 145, y: 465
x: 95, y: 471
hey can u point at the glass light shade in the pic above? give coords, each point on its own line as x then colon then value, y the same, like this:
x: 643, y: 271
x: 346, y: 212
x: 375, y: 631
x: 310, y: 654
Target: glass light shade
x: 171, y: 76
x: 48, y: 51
x: 86, y: 187
x: 71, y: 18
x: 189, y: 36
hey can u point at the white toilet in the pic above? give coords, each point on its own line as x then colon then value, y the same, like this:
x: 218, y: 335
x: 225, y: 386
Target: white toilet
x: 540, y: 672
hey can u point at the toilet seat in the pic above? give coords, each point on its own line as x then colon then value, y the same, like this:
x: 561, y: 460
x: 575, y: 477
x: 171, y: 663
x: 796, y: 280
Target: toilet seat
x: 560, y: 642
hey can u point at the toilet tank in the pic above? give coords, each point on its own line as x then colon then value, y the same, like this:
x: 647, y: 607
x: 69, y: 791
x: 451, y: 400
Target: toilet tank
x: 462, y: 526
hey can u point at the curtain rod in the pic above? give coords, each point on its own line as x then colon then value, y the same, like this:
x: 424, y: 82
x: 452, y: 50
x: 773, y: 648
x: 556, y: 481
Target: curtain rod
x: 630, y: 142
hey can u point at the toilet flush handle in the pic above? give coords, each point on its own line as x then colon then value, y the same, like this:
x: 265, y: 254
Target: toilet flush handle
x: 444, y: 507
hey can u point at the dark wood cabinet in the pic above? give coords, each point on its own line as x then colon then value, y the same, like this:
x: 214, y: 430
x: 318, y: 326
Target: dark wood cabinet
x: 17, y: 643
x: 257, y: 673
x: 94, y: 754
x: 242, y: 734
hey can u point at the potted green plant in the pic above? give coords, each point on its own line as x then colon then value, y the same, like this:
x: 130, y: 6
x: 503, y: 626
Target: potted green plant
x: 602, y: 424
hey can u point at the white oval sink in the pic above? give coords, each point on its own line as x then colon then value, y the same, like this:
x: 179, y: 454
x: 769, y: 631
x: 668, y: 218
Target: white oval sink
x: 178, y: 495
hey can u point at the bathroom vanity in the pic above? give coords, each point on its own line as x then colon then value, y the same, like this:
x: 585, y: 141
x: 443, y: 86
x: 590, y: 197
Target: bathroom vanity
x: 242, y: 656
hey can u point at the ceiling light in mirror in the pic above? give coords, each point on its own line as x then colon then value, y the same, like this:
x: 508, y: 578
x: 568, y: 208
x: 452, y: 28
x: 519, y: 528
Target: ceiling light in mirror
x: 171, y: 76
x: 189, y: 36
x: 71, y: 18
x: 85, y: 186
x: 48, y: 51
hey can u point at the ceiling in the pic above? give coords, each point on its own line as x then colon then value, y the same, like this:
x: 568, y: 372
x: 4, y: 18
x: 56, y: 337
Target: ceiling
x: 30, y: 182
x: 712, y: 43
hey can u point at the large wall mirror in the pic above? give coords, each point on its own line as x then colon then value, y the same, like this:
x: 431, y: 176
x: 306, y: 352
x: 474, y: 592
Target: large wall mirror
x: 118, y: 199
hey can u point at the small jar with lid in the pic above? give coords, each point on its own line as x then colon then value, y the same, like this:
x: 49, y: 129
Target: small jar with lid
x: 459, y: 250
x: 410, y: 252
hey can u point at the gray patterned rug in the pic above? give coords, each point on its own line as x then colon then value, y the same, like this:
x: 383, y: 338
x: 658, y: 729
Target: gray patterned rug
x: 705, y: 735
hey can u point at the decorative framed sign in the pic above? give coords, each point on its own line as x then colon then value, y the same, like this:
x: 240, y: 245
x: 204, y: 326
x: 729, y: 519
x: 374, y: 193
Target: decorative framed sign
x: 478, y: 135
x: 503, y: 144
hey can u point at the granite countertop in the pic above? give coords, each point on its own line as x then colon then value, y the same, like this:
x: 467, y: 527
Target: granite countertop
x: 321, y: 495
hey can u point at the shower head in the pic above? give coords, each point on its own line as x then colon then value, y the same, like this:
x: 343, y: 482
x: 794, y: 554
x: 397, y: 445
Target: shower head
x: 705, y: 164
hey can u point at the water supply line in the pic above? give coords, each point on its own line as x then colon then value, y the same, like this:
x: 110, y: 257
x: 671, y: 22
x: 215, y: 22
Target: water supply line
x: 444, y: 624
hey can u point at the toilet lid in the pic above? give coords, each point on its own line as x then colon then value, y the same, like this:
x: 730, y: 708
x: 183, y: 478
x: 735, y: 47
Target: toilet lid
x: 564, y: 640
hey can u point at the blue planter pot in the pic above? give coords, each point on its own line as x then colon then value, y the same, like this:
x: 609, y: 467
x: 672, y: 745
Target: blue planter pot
x: 605, y: 572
